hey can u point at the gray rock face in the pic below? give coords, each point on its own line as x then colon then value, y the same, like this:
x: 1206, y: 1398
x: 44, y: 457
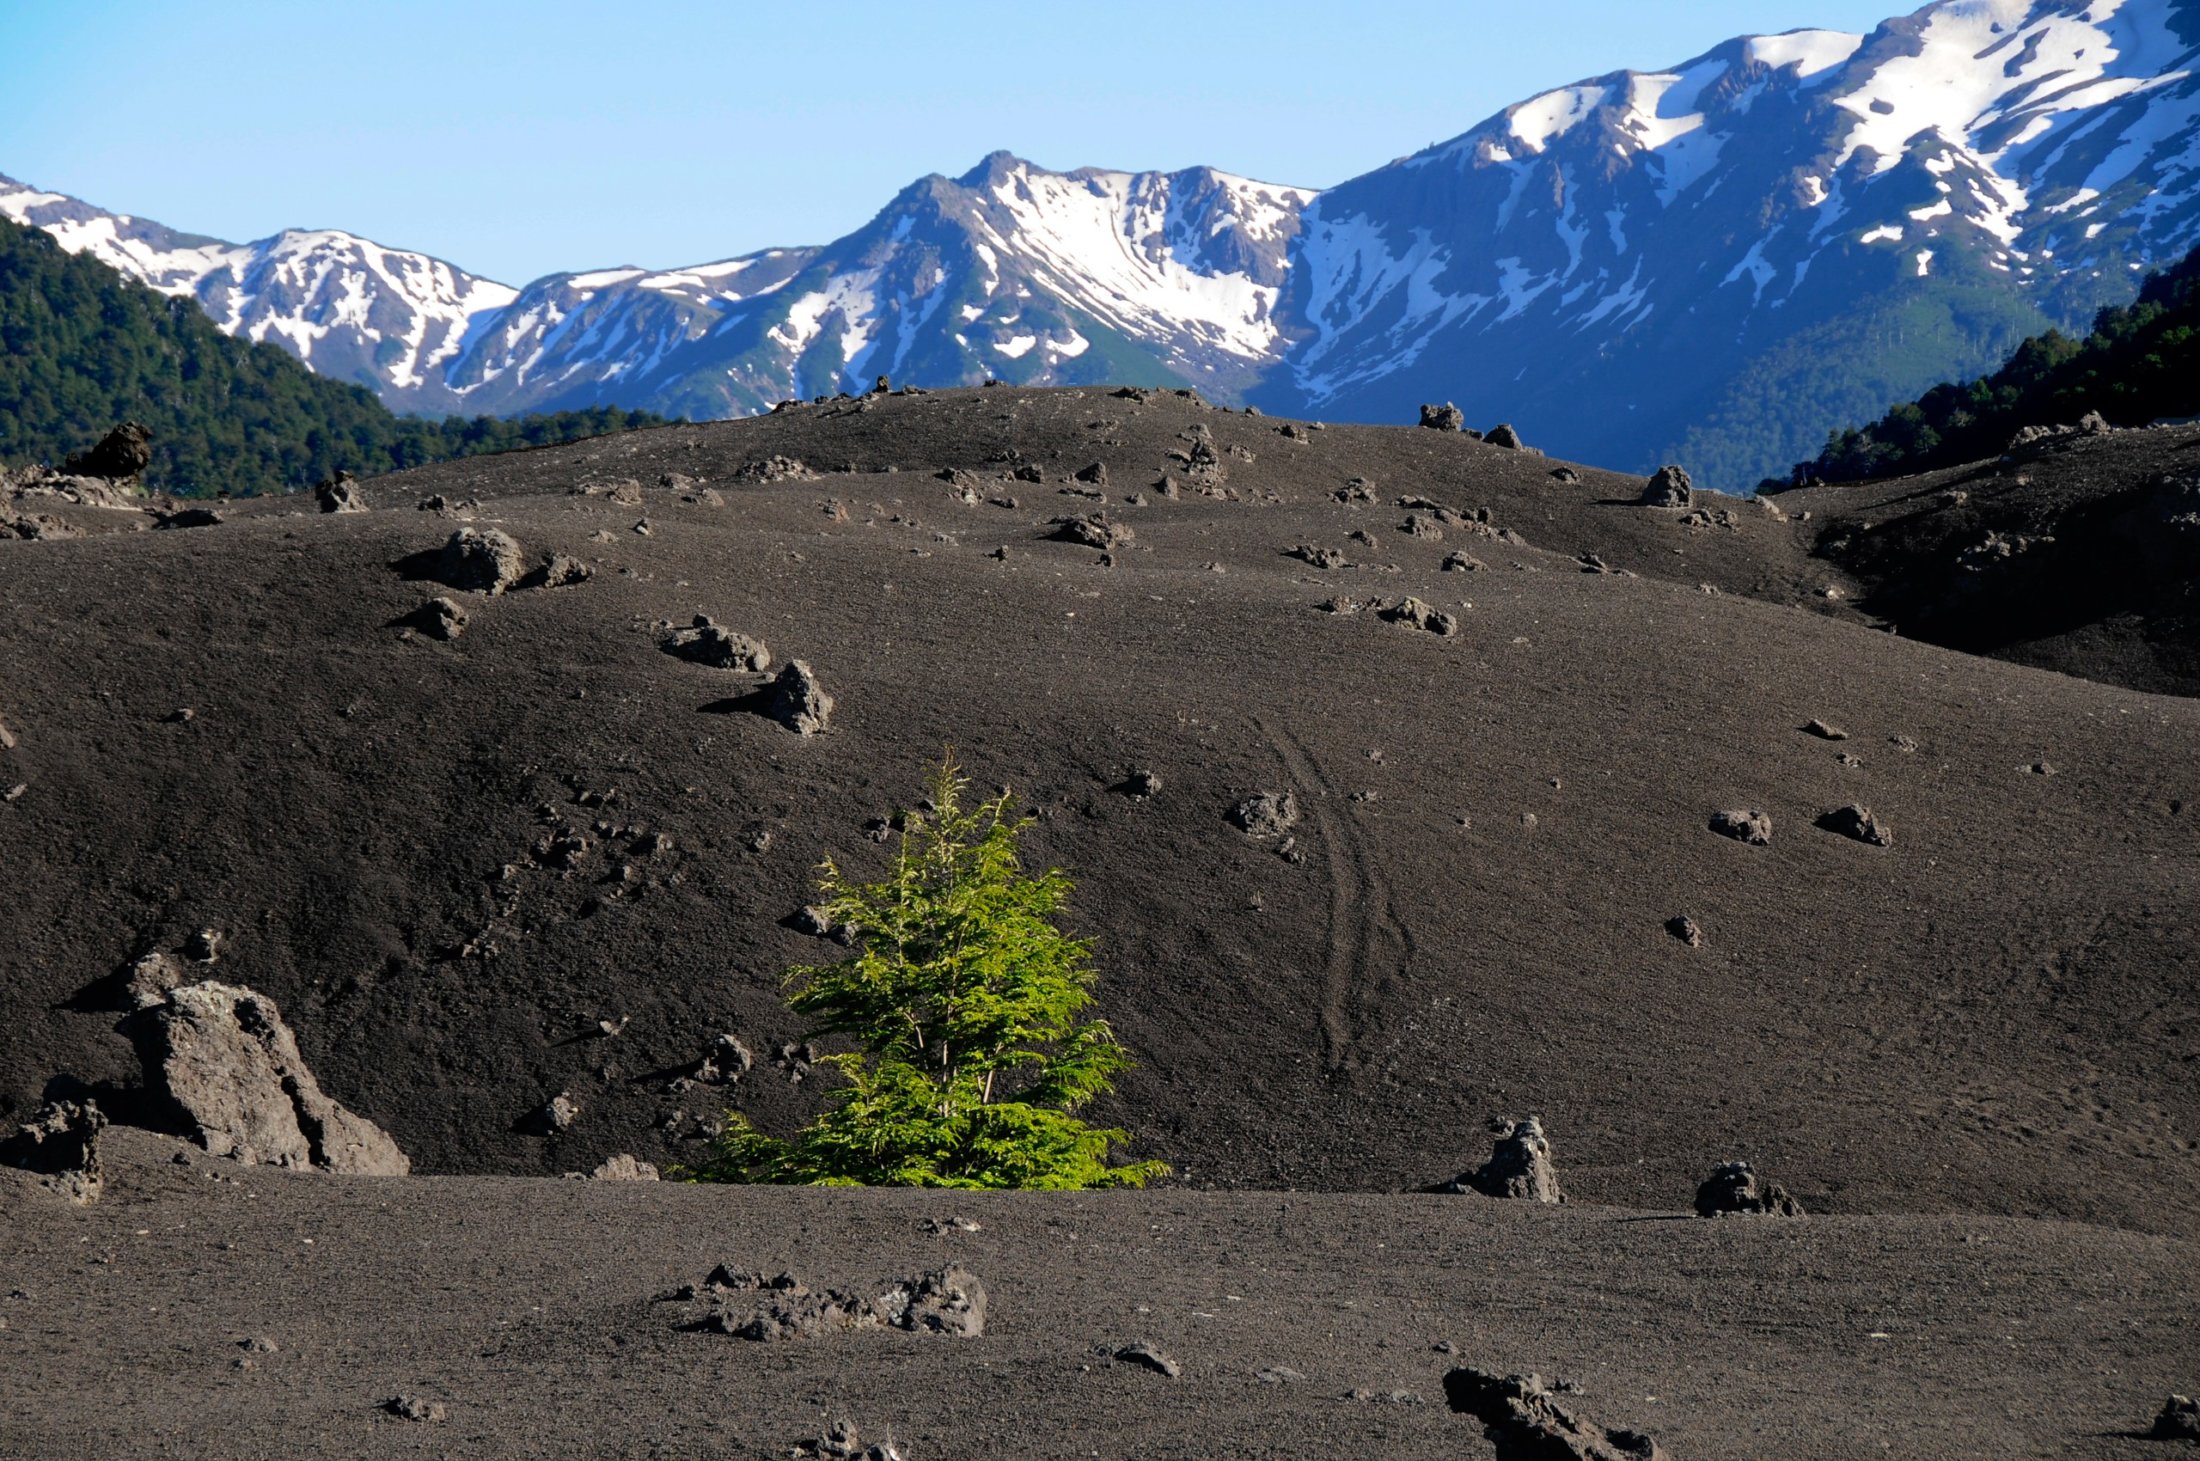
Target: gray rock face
x: 122, y: 454
x: 1744, y: 825
x: 1668, y: 487
x: 1735, y: 1188
x: 1446, y: 417
x: 1519, y: 1167
x: 1525, y: 1422
x: 480, y: 561
x: 61, y: 1145
x: 221, y: 1054
x: 707, y: 643
x: 799, y: 702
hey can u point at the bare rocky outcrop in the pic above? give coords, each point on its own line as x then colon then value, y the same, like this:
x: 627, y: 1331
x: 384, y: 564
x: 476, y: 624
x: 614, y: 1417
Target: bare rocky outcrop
x: 480, y: 561
x: 1735, y: 1187
x: 1519, y: 1167
x: 1668, y: 487
x: 61, y: 1145
x: 1524, y: 1420
x: 706, y: 642
x: 122, y: 455
x: 798, y: 701
x: 1446, y: 417
x: 221, y: 1057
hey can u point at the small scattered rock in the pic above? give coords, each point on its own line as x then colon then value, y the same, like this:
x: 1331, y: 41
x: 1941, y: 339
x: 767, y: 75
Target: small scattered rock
x: 554, y: 1115
x: 1145, y: 1356
x: 1686, y: 929
x: 1858, y: 824
x: 1265, y: 815
x: 417, y: 1408
x: 623, y: 1167
x: 706, y: 642
x: 1735, y: 1188
x: 1565, y: 474
x: 1446, y: 417
x: 1142, y: 784
x: 1503, y: 435
x: 1825, y: 732
x: 1461, y: 562
x: 563, y: 571
x: 1092, y: 530
x: 438, y: 618
x: 774, y: 469
x: 1750, y: 826
x: 1415, y: 614
x: 1278, y: 1375
x: 61, y: 1145
x: 1095, y: 475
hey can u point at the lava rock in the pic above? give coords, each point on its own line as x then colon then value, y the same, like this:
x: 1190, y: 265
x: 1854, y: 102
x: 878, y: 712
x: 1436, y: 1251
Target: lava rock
x: 1142, y: 784
x: 1858, y: 824
x: 2178, y: 1420
x: 1266, y: 814
x: 221, y: 1059
x: 798, y: 701
x: 774, y: 469
x: 1446, y: 417
x: 1523, y: 1419
x: 1415, y: 614
x: 480, y: 560
x: 1686, y: 929
x: 1095, y: 475
x: 708, y: 643
x: 1735, y: 1188
x: 1825, y: 732
x: 624, y: 1167
x: 1519, y: 1167
x: 121, y: 455
x: 1092, y: 530
x: 1503, y: 435
x: 1744, y: 825
x: 338, y: 493
x: 61, y: 1145
x: 438, y: 618
x: 1669, y: 487
x: 1146, y: 1357
x: 417, y: 1408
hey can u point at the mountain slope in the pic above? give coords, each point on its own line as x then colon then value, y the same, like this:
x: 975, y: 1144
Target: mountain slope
x: 87, y: 347
x: 1713, y: 263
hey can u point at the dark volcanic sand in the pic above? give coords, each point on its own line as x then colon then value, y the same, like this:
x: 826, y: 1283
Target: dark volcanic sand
x: 1990, y: 1020
x: 526, y: 1306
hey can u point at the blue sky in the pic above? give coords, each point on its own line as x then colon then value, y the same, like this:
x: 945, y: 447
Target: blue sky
x: 519, y: 139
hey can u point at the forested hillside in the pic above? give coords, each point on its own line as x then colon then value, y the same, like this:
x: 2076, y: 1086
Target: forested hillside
x: 82, y: 347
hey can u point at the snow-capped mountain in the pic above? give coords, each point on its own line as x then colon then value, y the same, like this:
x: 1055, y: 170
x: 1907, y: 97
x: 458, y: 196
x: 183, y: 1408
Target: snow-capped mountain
x: 1714, y: 262
x: 1725, y: 258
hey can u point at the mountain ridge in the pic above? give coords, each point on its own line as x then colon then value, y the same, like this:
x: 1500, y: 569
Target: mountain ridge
x: 1714, y: 262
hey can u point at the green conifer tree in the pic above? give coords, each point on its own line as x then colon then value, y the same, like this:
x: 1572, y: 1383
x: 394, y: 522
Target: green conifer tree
x: 966, y: 1003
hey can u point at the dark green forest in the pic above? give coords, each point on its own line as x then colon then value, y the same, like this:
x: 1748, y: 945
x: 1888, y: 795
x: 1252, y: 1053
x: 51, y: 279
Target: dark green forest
x: 2140, y: 363
x: 82, y: 348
